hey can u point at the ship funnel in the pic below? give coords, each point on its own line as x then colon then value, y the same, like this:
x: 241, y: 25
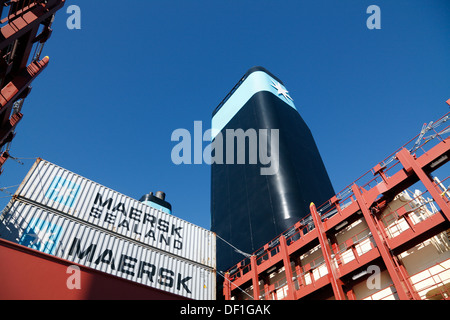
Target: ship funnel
x: 160, y: 195
x: 157, y: 201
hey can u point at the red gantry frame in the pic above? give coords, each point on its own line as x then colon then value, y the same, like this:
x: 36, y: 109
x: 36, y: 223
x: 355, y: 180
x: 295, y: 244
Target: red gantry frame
x: 367, y: 198
x: 25, y: 26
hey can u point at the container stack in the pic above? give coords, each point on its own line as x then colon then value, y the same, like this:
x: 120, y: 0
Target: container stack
x: 63, y: 214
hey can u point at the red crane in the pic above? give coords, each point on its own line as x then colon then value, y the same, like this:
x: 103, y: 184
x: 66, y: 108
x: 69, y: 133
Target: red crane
x: 25, y: 26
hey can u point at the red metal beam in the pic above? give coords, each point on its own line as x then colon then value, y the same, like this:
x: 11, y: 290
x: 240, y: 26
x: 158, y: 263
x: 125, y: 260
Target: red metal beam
x: 3, y: 157
x: 405, y: 292
x: 29, y: 20
x: 287, y: 268
x: 336, y: 283
x: 255, y: 280
x: 411, y: 165
x: 227, y: 287
x: 7, y: 130
x: 13, y: 90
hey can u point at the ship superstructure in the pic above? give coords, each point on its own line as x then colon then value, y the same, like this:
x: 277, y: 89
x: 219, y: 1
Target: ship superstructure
x: 385, y: 236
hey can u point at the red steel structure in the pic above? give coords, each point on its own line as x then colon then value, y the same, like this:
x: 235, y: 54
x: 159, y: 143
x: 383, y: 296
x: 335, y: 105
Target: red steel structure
x: 25, y: 25
x: 278, y: 271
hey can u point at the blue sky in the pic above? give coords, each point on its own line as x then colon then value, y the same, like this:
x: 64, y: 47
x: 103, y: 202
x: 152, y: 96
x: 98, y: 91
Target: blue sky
x: 115, y: 90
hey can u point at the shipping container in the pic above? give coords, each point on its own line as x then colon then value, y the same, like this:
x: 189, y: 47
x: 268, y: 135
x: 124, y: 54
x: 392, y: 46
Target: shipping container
x: 33, y: 275
x: 53, y: 187
x: 61, y: 236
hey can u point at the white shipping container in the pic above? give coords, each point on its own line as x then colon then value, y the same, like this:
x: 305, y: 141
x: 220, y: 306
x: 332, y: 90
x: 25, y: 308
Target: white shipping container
x: 61, y: 236
x: 64, y: 191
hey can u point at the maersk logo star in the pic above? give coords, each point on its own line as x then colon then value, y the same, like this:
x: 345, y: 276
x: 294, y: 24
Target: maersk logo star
x: 41, y: 235
x: 63, y: 191
x: 281, y: 90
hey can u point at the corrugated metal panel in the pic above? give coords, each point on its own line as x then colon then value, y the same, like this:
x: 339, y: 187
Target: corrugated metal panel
x: 63, y: 237
x: 64, y: 191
